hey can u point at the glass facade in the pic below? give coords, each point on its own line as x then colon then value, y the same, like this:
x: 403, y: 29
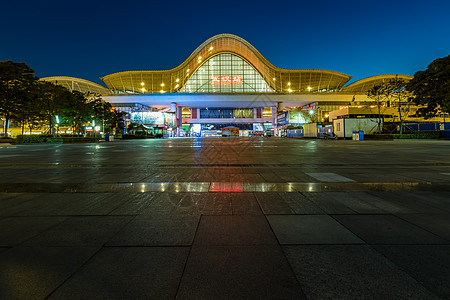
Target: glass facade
x: 216, y: 113
x: 219, y: 126
x: 226, y: 73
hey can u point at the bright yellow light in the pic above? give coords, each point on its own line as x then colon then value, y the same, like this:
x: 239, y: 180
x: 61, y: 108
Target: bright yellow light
x: 210, y: 49
x: 187, y: 71
x: 326, y: 116
x: 309, y: 88
x: 289, y: 83
x: 142, y: 83
x: 274, y: 79
x: 143, y: 89
x: 176, y: 86
x: 162, y: 91
x: 162, y: 84
x: 199, y: 57
x: 177, y: 80
x: 290, y: 91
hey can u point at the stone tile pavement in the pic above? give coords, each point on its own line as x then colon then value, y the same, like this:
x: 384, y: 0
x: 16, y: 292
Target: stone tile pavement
x: 103, y: 225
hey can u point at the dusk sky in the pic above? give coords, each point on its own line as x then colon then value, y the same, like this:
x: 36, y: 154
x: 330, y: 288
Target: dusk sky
x: 90, y: 39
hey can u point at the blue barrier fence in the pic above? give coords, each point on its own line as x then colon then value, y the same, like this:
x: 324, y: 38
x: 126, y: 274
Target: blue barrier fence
x: 294, y: 133
x: 321, y: 130
x: 444, y: 128
x: 421, y: 127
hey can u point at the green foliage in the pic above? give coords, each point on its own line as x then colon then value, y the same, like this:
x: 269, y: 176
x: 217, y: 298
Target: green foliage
x: 16, y: 81
x: 418, y: 135
x: 54, y: 100
x: 102, y: 112
x: 392, y: 91
x: 31, y: 139
x: 76, y: 112
x: 431, y: 88
x: 379, y: 95
x: 412, y: 135
x: 33, y: 104
x: 79, y: 139
x: 118, y: 120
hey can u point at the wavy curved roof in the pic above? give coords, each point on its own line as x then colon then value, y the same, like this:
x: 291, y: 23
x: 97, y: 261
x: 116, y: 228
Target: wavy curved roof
x: 365, y: 84
x: 280, y: 80
x: 78, y: 84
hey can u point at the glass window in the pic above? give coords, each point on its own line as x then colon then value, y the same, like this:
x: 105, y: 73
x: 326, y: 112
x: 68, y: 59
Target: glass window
x: 209, y: 113
x: 243, y: 113
x: 227, y: 113
x: 226, y: 73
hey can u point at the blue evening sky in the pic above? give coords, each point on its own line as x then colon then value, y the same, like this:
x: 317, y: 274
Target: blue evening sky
x: 90, y: 39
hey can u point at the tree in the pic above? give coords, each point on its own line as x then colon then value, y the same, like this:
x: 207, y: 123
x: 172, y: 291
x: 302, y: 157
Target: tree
x: 52, y: 101
x: 15, y: 80
x: 431, y: 88
x: 102, y: 111
x: 119, y: 120
x: 77, y: 111
x: 398, y: 96
x: 28, y: 113
x: 378, y: 94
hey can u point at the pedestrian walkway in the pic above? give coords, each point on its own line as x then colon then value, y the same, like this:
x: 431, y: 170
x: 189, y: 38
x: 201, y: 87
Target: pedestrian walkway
x: 166, y: 220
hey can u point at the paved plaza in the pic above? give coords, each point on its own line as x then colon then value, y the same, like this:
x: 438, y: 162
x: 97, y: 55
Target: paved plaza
x: 225, y: 218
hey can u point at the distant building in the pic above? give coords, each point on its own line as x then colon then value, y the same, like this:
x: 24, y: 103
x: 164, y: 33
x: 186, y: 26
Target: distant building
x: 227, y: 82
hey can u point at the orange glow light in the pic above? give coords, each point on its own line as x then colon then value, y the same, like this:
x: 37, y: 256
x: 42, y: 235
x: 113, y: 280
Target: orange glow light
x: 226, y: 187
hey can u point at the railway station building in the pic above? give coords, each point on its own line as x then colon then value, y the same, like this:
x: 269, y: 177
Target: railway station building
x: 227, y: 82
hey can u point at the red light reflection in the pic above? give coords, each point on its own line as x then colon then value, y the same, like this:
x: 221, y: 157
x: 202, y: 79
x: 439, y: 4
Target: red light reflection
x: 226, y: 187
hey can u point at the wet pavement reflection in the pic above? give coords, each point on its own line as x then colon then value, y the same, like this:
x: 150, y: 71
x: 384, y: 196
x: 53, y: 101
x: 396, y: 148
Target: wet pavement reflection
x: 216, y: 187
x: 262, y: 218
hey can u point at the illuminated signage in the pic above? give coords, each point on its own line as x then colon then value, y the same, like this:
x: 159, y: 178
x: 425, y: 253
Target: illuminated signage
x: 149, y: 117
x: 283, y: 118
x: 226, y: 80
x: 343, y: 107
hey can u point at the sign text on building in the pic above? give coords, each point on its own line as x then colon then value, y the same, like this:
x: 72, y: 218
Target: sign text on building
x: 226, y: 80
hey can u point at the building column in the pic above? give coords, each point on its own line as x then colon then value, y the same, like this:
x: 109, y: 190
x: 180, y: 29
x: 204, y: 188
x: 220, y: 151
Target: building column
x: 179, y: 120
x: 274, y: 120
x: 174, y: 110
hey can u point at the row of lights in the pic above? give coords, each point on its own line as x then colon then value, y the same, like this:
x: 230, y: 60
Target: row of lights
x: 289, y: 85
x: 162, y: 85
x: 177, y: 80
x: 290, y: 90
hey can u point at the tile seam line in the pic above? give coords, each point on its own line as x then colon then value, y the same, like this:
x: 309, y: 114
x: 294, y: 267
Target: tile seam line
x: 74, y: 272
x: 280, y: 247
x: 392, y: 215
x: 188, y: 256
x: 44, y: 230
x: 424, y: 229
x: 371, y: 246
x: 118, y: 231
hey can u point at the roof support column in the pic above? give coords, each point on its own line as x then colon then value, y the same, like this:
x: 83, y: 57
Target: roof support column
x: 274, y: 120
x: 179, y: 119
